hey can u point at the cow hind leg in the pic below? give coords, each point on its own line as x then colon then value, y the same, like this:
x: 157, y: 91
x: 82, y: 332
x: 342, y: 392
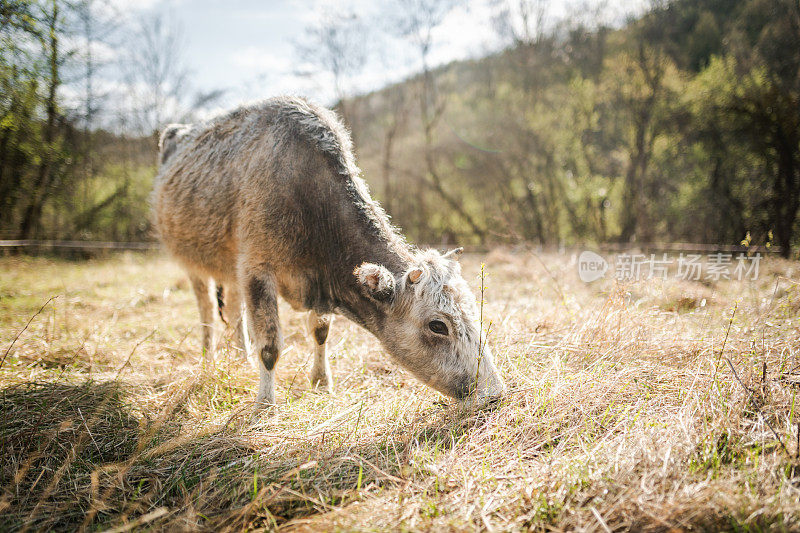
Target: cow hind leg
x: 261, y: 293
x: 205, y: 293
x: 318, y: 326
x: 235, y: 316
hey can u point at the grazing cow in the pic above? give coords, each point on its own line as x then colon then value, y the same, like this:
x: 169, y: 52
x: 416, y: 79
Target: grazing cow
x: 267, y: 201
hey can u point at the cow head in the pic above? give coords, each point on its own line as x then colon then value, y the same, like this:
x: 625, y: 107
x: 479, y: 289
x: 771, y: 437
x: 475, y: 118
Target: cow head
x: 431, y: 324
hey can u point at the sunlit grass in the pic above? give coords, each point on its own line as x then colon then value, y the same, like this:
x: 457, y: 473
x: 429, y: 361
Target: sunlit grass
x: 622, y: 411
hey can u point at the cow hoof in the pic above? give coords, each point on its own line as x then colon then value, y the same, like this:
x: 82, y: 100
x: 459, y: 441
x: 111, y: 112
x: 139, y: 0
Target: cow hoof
x: 264, y: 403
x: 261, y: 413
x: 322, y: 383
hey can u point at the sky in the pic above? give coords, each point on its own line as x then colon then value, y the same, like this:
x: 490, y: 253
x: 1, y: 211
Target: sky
x: 248, y: 48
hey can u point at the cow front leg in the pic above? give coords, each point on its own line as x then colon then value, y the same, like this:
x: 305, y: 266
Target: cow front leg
x: 265, y: 331
x: 318, y: 326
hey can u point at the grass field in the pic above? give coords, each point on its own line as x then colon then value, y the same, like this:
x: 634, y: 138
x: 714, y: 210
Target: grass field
x: 623, y: 410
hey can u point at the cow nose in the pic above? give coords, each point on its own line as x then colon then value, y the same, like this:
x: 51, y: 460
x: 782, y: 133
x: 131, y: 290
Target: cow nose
x: 490, y: 385
x: 490, y: 392
x: 482, y: 399
x: 493, y: 394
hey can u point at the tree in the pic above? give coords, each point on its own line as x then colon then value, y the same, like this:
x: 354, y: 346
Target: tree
x: 393, y: 122
x: 643, y: 93
x: 530, y: 181
x: 751, y: 97
x: 417, y: 21
x: 46, y: 171
x: 155, y: 75
x: 337, y: 46
x: 19, y: 101
x: 96, y: 23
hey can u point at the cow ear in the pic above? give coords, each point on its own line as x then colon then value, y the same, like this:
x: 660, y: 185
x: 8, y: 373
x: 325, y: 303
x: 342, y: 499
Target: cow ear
x: 455, y: 253
x: 376, y: 281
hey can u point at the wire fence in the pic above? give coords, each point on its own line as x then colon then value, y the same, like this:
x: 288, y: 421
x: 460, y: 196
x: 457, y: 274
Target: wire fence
x: 56, y: 246
x: 86, y: 246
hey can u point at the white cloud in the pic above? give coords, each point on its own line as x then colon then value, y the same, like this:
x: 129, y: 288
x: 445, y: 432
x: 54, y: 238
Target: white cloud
x: 126, y: 6
x: 247, y: 48
x: 261, y: 59
x: 101, y: 52
x: 465, y: 32
x: 262, y: 73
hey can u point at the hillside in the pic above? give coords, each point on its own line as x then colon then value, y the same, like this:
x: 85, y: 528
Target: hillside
x: 651, y: 132
x: 681, y: 125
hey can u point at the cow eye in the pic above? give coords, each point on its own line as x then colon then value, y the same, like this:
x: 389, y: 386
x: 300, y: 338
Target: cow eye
x: 438, y: 327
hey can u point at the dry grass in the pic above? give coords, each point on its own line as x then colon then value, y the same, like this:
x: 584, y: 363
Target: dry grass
x: 623, y: 413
